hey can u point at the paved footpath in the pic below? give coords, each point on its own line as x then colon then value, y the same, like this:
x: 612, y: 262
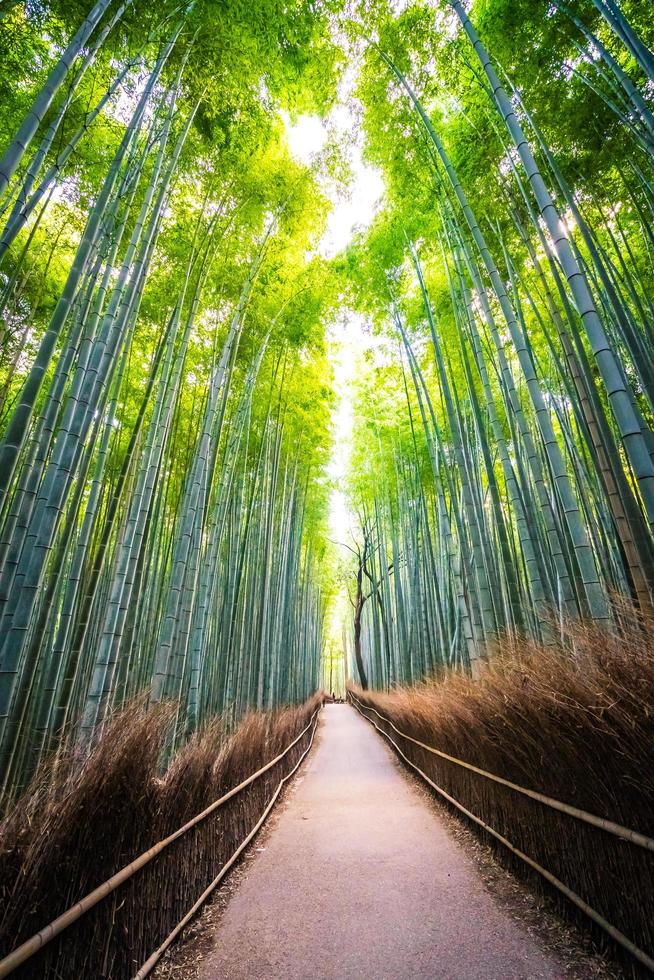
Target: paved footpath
x: 360, y: 878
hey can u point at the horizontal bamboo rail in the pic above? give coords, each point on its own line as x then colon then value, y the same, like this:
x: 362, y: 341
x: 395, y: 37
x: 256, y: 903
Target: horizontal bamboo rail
x: 640, y: 840
x: 154, y: 958
x: 31, y: 946
x: 576, y: 899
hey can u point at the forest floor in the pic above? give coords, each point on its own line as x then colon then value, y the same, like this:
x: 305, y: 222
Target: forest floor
x: 361, y: 874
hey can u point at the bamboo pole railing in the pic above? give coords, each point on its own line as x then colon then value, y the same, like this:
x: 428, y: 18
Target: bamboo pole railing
x: 36, y: 942
x: 641, y: 840
x: 617, y: 829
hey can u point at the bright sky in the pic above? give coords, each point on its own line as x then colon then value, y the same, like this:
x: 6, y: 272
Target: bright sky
x: 347, y: 342
x: 306, y: 138
x: 348, y: 337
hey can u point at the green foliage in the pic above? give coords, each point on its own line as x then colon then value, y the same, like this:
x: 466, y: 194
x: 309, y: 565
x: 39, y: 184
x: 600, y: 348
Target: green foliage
x: 182, y: 417
x: 166, y: 389
x: 489, y: 459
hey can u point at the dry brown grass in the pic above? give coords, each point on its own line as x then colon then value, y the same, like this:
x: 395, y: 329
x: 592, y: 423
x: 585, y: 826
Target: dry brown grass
x: 574, y: 721
x: 85, y: 818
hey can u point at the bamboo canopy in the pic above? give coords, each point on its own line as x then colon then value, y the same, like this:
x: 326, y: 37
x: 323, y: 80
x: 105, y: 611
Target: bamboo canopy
x: 167, y: 390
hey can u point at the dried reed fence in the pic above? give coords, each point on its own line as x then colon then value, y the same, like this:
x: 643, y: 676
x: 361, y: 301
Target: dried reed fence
x: 84, y: 820
x: 578, y: 728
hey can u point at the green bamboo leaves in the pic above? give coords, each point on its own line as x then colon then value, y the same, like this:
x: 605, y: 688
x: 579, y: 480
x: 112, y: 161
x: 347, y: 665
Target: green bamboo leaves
x: 525, y: 341
x: 161, y: 517
x: 164, y: 386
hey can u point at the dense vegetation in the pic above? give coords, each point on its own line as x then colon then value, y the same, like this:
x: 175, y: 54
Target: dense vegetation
x: 165, y: 389
x: 504, y: 467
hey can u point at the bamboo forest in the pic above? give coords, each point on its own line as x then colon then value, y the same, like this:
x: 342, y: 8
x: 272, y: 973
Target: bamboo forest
x: 326, y: 372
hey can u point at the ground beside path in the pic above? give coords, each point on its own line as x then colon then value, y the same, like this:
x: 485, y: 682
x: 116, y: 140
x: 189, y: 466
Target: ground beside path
x: 360, y: 878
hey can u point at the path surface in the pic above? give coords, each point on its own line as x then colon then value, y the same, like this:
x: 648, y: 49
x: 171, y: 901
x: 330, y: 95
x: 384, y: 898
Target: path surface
x: 360, y: 878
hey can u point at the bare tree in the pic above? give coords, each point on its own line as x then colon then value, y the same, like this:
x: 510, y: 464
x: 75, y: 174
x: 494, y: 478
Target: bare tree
x: 363, y: 553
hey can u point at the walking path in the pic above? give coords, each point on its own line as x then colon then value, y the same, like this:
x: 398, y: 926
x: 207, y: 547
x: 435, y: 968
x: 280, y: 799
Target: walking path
x: 360, y: 878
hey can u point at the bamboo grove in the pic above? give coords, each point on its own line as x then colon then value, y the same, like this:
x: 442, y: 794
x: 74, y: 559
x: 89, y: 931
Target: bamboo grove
x: 164, y: 406
x: 511, y: 272
x: 165, y: 385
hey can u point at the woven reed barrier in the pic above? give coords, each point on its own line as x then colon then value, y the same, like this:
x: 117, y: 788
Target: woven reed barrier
x: 112, y: 930
x: 606, y: 870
